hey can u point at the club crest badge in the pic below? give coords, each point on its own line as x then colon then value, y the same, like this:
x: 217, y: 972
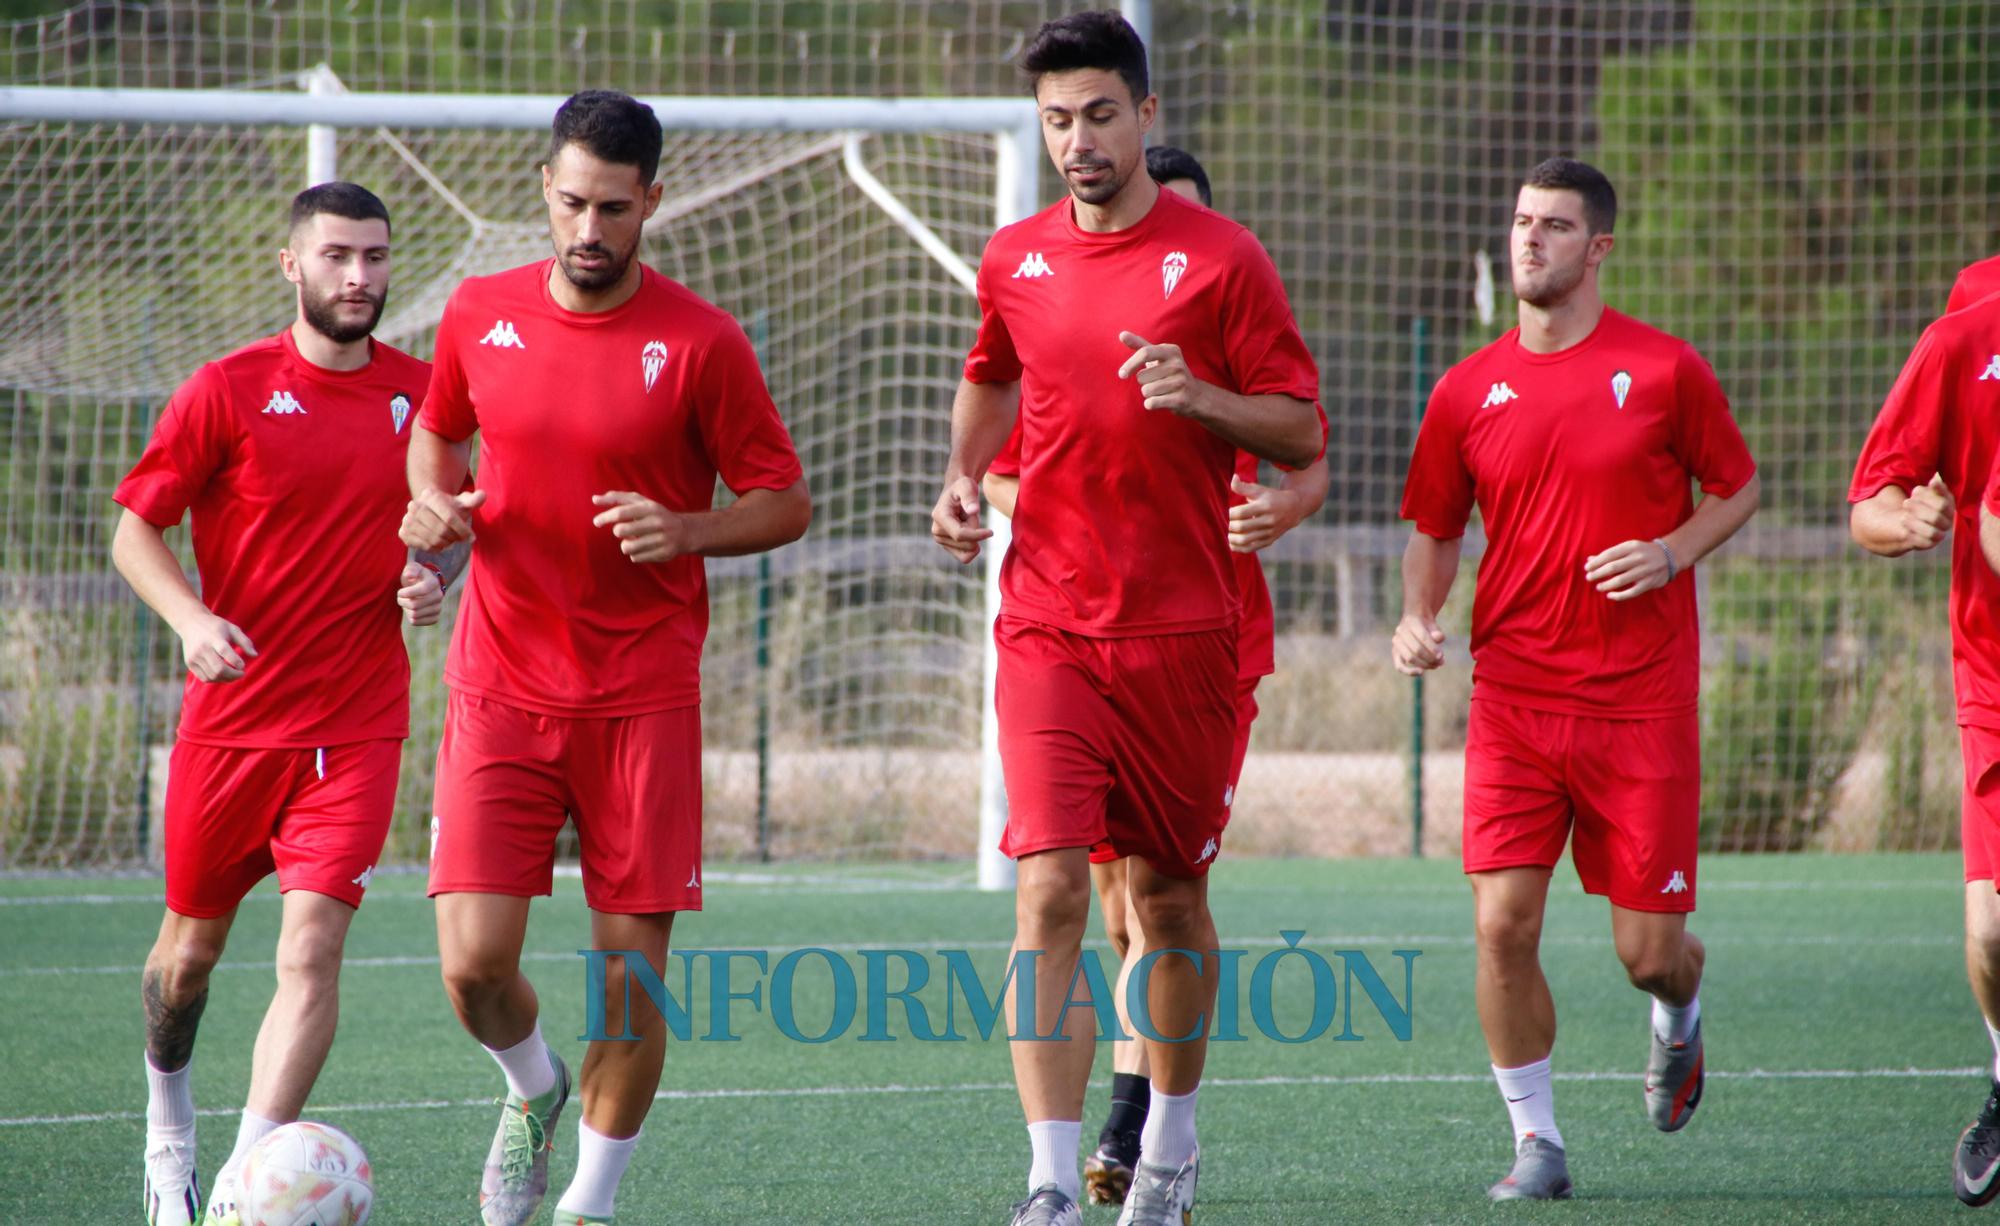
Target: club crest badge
x: 1621, y: 386
x: 399, y: 410
x: 1171, y: 270
x: 652, y: 358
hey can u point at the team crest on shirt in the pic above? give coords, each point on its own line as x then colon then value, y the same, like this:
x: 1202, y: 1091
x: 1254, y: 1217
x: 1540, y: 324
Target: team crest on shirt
x: 1621, y: 386
x: 399, y: 410
x: 1171, y: 270
x: 651, y: 359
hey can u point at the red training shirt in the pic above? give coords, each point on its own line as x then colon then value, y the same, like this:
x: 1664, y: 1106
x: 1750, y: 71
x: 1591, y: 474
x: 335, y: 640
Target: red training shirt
x: 1567, y: 454
x: 294, y: 475
x: 1256, y: 626
x: 659, y: 395
x: 1122, y: 524
x: 1942, y: 416
x: 1975, y: 281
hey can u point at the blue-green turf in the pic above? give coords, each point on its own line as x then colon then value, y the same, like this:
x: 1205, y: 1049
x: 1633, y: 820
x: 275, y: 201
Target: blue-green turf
x: 1818, y: 966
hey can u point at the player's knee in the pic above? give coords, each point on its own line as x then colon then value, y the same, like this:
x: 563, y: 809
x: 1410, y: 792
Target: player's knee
x: 1650, y: 969
x: 1117, y: 932
x: 1169, y: 914
x: 187, y: 959
x: 310, y: 959
x: 1052, y: 910
x: 477, y: 975
x: 1508, y: 934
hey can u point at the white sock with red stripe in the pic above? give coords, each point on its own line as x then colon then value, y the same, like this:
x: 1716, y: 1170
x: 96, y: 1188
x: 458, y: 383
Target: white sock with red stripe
x: 1531, y: 1101
x: 1675, y: 1024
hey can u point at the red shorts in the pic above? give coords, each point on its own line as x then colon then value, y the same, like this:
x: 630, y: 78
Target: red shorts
x: 1979, y: 815
x: 317, y: 816
x: 1120, y: 741
x: 1246, y: 715
x: 508, y: 777
x: 1632, y: 788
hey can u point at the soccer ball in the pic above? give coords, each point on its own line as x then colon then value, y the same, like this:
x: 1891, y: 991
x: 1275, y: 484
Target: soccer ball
x: 305, y: 1174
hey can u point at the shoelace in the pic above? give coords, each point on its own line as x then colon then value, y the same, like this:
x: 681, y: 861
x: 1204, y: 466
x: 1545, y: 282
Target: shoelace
x: 1155, y: 1198
x: 525, y: 1138
x: 181, y: 1152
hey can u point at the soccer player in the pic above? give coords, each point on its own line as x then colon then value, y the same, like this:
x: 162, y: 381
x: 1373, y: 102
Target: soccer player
x: 1144, y: 340
x: 289, y: 454
x: 1930, y: 455
x: 607, y: 399
x: 1258, y: 515
x: 1975, y: 281
x: 1577, y: 434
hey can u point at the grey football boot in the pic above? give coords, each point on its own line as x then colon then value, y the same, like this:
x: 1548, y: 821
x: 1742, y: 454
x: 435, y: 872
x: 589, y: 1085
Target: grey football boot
x: 1674, y: 1081
x: 517, y: 1167
x: 1541, y: 1172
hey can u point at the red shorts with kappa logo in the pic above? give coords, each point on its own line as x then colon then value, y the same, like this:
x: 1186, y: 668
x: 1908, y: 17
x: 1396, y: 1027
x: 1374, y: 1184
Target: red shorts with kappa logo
x: 1120, y: 741
x: 1631, y: 788
x: 317, y: 816
x: 1979, y: 815
x: 1246, y: 715
x: 508, y: 777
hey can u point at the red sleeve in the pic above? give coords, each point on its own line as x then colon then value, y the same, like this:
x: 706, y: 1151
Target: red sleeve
x: 447, y: 410
x: 190, y: 443
x: 740, y: 426
x: 1008, y: 462
x: 1267, y: 356
x: 1992, y: 498
x: 1902, y: 448
x: 992, y: 359
x: 1706, y: 440
x: 1437, y: 495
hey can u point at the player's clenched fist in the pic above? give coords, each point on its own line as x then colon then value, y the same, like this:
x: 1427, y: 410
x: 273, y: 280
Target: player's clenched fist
x: 215, y: 649
x: 646, y: 531
x: 435, y: 519
x: 1268, y: 515
x: 1164, y: 377
x: 955, y: 520
x: 421, y: 595
x: 1417, y: 646
x: 1928, y: 514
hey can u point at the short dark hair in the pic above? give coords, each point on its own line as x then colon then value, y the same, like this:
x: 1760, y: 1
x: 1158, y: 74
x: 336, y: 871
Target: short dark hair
x: 1088, y: 40
x: 349, y: 200
x: 1600, y: 202
x: 1166, y: 163
x: 611, y: 126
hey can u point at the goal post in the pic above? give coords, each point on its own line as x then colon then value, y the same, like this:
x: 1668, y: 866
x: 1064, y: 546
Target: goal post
x: 337, y: 126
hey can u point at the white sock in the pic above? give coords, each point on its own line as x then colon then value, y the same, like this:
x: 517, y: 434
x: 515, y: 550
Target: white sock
x: 1168, y: 1137
x: 1530, y: 1095
x: 1054, y: 1143
x: 600, y: 1164
x: 1675, y: 1024
x: 1993, y: 1032
x: 530, y: 1072
x: 169, y: 1099
x: 250, y: 1130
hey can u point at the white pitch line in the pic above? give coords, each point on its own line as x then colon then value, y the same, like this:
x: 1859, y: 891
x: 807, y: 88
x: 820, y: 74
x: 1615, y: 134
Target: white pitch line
x: 1315, y: 941
x: 1367, y: 1079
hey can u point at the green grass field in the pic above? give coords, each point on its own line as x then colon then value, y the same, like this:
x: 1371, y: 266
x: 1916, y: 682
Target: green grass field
x: 1843, y: 1052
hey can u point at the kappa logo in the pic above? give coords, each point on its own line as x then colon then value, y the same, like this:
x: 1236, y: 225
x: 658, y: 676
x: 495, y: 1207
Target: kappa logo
x: 1228, y: 795
x: 437, y: 824
x: 367, y: 875
x: 1621, y: 386
x: 651, y: 359
x: 1499, y: 393
x: 694, y: 878
x: 1992, y: 370
x: 502, y: 336
x: 1207, y: 851
x: 1676, y: 884
x: 1034, y: 266
x: 399, y: 410
x: 283, y: 404
x: 1171, y: 270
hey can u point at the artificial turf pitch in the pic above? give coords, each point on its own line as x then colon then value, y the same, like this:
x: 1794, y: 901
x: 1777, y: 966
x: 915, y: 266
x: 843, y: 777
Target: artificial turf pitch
x: 1844, y: 1055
